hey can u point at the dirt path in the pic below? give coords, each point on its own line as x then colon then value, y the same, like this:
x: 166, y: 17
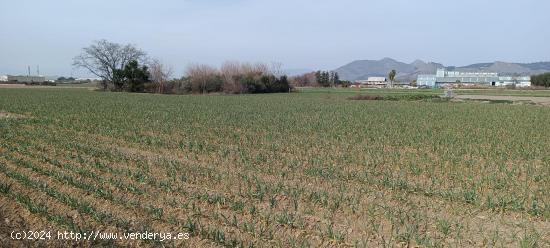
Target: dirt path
x: 536, y: 100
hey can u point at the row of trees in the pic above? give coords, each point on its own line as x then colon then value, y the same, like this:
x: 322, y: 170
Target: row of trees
x: 319, y: 79
x: 541, y: 80
x: 327, y: 78
x: 127, y: 68
x: 235, y: 78
x: 64, y: 79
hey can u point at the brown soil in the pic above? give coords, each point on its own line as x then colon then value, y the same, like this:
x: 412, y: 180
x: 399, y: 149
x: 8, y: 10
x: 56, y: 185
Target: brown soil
x: 536, y: 100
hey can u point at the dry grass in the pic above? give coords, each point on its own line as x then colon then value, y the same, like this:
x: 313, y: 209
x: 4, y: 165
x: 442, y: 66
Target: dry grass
x: 7, y: 115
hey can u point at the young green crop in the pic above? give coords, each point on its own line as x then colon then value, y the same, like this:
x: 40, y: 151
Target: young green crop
x: 310, y: 168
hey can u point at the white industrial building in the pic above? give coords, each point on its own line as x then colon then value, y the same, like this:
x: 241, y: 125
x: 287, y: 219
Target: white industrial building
x: 26, y: 79
x: 518, y: 81
x: 444, y: 77
x: 3, y: 78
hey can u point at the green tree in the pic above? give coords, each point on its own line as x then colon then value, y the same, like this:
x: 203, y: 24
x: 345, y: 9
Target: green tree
x: 336, y: 78
x: 326, y: 79
x: 132, y: 76
x: 283, y: 84
x: 391, y: 76
x: 323, y: 78
x: 318, y: 77
x: 541, y: 80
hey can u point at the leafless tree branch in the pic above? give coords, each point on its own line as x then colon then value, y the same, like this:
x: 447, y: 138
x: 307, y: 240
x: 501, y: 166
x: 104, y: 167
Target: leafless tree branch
x: 103, y: 58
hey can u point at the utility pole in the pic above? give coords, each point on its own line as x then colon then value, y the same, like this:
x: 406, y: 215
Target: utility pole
x: 29, y: 70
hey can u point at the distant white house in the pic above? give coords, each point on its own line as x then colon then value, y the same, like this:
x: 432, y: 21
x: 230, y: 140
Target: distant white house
x: 88, y: 79
x: 3, y: 78
x: 373, y: 82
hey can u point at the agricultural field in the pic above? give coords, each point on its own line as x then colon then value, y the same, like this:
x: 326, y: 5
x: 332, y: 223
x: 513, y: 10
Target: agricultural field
x: 305, y: 169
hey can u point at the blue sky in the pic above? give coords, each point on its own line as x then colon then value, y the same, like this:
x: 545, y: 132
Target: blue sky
x: 307, y: 34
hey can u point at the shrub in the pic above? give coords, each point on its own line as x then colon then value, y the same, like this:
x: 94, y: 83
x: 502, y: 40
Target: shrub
x: 345, y: 83
x: 366, y: 97
x: 234, y: 78
x: 541, y: 80
x: 410, y: 97
x: 45, y: 83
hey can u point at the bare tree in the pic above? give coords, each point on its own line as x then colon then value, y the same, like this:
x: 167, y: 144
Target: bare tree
x: 160, y: 74
x: 307, y: 79
x: 103, y: 58
x: 256, y: 69
x: 230, y: 70
x: 201, y: 77
x: 277, y: 69
x: 236, y: 77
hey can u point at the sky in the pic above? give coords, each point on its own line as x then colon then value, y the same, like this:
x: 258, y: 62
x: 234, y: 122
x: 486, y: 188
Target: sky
x: 300, y: 34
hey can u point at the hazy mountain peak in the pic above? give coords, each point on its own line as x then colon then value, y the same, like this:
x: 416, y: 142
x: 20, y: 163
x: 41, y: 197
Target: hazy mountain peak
x: 418, y: 62
x: 388, y: 59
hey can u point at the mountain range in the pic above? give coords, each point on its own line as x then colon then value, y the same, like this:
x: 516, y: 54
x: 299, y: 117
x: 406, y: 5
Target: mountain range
x: 362, y: 69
